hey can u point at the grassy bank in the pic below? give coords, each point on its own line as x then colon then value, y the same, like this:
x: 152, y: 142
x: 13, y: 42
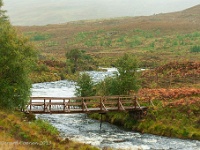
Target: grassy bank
x: 21, y: 131
x: 175, y: 116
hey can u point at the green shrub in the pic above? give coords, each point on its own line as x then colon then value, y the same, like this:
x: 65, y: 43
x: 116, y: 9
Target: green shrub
x: 85, y: 85
x: 24, y: 136
x: 46, y: 127
x: 195, y: 49
x: 40, y: 37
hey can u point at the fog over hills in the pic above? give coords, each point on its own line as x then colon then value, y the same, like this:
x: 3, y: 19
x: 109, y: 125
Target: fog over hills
x: 42, y: 12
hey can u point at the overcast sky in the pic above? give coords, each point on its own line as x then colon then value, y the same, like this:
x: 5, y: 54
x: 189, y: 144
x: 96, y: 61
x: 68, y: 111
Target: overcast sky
x: 42, y: 12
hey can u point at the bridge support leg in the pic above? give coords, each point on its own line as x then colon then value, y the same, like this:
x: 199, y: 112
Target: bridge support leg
x: 101, y: 121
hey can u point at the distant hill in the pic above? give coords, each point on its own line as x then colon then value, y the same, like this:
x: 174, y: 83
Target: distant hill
x: 160, y: 37
x: 37, y: 12
x: 189, y: 16
x: 193, y: 10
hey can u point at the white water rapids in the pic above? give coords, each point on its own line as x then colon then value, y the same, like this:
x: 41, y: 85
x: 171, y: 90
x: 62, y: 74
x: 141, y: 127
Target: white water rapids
x: 79, y: 127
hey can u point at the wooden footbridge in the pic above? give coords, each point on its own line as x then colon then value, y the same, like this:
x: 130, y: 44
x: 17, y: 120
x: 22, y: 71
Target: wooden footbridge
x: 98, y: 104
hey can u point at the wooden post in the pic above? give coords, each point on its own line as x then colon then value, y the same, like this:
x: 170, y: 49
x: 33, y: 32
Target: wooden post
x: 101, y: 121
x: 82, y: 104
x: 64, y: 107
x: 50, y: 105
x: 68, y: 105
x: 118, y: 103
x: 135, y: 103
x: 44, y: 104
x: 101, y: 103
x: 30, y: 104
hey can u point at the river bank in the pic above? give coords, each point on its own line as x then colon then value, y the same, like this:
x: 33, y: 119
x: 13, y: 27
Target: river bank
x: 23, y: 131
x: 177, y: 115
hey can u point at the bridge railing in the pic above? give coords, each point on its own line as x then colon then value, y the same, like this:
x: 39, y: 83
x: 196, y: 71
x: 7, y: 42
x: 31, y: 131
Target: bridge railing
x: 82, y: 104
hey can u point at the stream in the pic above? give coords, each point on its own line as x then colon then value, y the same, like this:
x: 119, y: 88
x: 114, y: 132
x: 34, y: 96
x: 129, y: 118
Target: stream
x: 79, y: 127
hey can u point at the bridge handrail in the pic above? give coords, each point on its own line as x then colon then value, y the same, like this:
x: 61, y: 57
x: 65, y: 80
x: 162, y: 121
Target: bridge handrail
x: 83, y: 104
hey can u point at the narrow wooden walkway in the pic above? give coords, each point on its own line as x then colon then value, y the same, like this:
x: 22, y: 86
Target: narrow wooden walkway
x: 67, y: 105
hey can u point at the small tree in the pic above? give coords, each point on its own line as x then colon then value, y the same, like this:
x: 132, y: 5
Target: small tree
x: 16, y: 60
x: 74, y: 56
x: 124, y: 81
x: 128, y: 77
x: 78, y: 60
x: 109, y: 86
x: 85, y: 86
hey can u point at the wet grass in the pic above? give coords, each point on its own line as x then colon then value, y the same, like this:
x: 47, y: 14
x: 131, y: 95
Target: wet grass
x: 21, y: 131
x: 179, y: 120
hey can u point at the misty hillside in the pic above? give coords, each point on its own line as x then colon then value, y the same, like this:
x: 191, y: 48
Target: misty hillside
x: 190, y: 15
x: 160, y: 37
x: 37, y: 12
